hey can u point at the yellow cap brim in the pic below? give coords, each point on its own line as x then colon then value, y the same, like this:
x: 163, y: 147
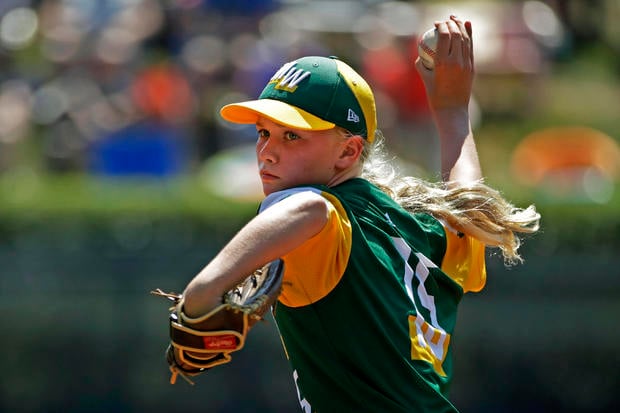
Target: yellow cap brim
x: 279, y: 112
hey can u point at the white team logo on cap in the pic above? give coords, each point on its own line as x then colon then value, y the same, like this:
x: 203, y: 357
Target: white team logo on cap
x: 288, y: 78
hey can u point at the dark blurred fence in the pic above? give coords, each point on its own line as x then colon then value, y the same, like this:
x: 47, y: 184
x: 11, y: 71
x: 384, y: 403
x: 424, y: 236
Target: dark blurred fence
x: 82, y: 334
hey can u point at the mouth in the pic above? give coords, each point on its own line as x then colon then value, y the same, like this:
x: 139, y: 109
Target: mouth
x: 266, y: 176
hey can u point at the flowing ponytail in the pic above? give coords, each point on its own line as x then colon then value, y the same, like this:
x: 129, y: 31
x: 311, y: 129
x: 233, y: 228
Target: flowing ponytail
x: 474, y: 209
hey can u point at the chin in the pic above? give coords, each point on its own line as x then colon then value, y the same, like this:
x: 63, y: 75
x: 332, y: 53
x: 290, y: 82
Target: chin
x: 268, y: 189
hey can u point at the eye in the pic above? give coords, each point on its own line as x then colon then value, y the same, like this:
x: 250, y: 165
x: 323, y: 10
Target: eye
x: 290, y: 136
x: 262, y: 133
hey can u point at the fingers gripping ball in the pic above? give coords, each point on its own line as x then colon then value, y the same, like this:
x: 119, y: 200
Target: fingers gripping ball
x: 200, y: 343
x: 427, y: 48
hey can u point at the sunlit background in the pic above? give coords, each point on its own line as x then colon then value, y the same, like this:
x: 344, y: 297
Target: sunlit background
x: 117, y: 176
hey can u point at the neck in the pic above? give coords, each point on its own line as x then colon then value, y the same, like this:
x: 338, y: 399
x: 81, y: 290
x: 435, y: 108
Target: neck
x: 345, y: 174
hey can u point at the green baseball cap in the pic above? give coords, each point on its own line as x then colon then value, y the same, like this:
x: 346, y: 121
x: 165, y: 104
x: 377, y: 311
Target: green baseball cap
x: 312, y: 93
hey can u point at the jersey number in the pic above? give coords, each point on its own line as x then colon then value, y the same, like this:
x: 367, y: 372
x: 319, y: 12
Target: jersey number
x: 303, y: 403
x: 429, y: 341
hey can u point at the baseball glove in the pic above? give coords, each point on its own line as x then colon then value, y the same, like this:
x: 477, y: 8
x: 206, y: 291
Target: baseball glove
x: 198, y: 344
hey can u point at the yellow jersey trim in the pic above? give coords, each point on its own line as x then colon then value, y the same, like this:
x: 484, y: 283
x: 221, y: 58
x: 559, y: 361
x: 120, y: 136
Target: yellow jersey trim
x: 307, y: 280
x: 464, y: 261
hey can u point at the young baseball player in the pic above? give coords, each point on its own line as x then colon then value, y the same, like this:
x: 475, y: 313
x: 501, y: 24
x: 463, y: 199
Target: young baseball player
x: 375, y: 264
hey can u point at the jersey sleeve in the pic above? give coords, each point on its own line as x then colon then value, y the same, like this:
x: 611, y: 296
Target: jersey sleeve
x: 313, y: 269
x: 464, y: 260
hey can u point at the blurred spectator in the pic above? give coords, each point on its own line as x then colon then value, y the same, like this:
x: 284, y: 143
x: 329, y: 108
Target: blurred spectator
x: 147, y: 147
x: 155, y: 143
x: 162, y: 92
x: 409, y: 129
x: 391, y: 70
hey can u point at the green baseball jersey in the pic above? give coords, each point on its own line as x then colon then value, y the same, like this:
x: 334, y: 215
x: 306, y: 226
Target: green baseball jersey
x: 369, y: 304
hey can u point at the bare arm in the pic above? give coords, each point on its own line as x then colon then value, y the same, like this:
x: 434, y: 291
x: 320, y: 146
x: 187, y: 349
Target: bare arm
x: 459, y: 156
x: 449, y: 88
x: 271, y: 234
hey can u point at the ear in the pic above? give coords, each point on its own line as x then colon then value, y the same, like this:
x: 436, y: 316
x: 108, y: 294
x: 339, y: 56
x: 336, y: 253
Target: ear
x: 350, y: 153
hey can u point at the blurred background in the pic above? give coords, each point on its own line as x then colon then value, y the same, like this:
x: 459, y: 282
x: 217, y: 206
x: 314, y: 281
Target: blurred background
x: 117, y: 176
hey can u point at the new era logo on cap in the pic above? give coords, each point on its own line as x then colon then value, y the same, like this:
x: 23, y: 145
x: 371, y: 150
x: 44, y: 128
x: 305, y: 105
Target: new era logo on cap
x: 352, y: 116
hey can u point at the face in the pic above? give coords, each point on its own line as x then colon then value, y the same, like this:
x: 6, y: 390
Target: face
x: 290, y: 157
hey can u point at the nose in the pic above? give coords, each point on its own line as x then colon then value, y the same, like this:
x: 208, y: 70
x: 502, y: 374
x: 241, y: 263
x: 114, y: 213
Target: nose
x: 265, y: 151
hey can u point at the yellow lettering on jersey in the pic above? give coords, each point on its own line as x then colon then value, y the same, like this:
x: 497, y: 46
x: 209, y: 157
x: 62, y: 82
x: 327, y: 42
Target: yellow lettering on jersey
x: 428, y: 343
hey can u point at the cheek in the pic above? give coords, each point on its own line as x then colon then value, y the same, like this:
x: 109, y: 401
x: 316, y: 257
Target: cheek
x: 320, y: 166
x: 259, y: 147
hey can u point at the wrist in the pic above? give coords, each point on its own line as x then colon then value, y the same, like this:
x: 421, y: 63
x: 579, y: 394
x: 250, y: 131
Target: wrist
x: 452, y: 122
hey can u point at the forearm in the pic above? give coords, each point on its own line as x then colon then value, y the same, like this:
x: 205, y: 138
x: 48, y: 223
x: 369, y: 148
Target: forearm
x: 449, y: 89
x: 459, y: 156
x: 268, y: 236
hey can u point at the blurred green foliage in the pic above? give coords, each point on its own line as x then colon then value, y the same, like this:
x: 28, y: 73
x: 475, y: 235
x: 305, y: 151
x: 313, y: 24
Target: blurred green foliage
x: 29, y: 196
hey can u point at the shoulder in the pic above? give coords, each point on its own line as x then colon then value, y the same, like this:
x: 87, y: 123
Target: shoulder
x: 298, y: 193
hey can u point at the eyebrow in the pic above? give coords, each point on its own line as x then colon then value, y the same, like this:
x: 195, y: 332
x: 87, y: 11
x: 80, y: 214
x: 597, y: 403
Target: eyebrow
x: 262, y: 125
x: 259, y: 124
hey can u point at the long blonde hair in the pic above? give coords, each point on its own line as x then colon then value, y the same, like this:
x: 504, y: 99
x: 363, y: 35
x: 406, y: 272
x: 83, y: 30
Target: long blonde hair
x: 474, y: 209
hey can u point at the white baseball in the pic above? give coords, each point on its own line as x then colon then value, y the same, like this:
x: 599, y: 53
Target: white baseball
x: 427, y: 47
